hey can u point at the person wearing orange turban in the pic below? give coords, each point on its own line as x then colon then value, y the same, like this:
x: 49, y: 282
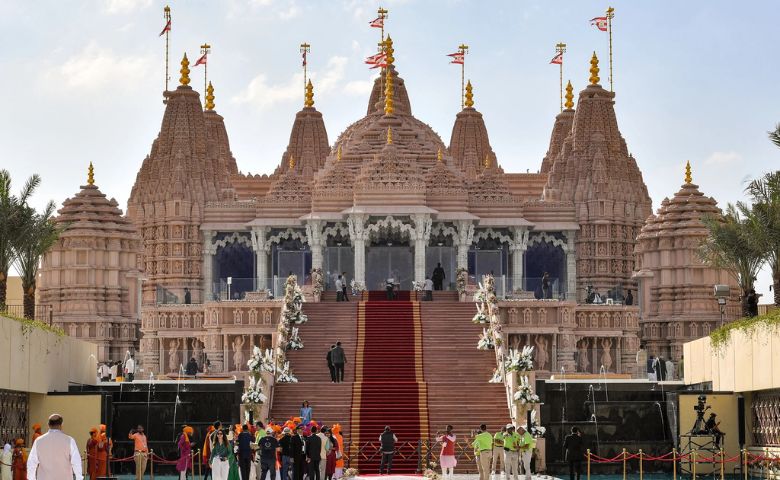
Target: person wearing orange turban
x: 185, y: 452
x: 92, y: 452
x: 36, y: 433
x: 19, y: 462
x: 103, y: 451
x: 340, y: 452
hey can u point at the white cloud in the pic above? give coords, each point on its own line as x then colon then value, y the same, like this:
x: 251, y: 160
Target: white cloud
x: 359, y: 87
x: 115, y: 7
x: 290, y: 12
x: 96, y: 67
x: 263, y: 95
x: 723, y: 158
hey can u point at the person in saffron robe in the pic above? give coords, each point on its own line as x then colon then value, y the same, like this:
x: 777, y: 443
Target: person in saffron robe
x: 92, y: 451
x: 185, y: 452
x: 36, y: 433
x: 103, y: 452
x: 6, y: 458
x: 19, y: 460
x: 206, y: 452
x: 339, y: 440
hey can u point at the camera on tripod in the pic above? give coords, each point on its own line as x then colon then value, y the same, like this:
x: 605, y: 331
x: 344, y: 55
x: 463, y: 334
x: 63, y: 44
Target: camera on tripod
x: 700, y: 408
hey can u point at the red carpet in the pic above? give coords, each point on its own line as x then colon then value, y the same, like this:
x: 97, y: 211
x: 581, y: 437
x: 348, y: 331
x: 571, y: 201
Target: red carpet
x: 389, y: 387
x: 381, y: 296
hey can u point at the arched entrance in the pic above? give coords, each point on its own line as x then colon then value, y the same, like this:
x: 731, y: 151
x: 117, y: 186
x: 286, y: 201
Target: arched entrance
x: 546, y: 256
x: 389, y: 254
x: 234, y: 260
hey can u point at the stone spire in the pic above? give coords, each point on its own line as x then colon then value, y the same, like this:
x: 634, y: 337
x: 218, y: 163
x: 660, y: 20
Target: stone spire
x: 390, y: 177
x: 90, y: 276
x: 561, y: 129
x: 678, y: 309
x: 470, y: 134
x: 398, y: 98
x: 445, y: 187
x: 189, y: 164
x: 594, y: 169
x: 308, y: 140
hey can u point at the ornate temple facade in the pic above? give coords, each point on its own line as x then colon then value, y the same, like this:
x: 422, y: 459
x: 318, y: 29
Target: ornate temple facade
x: 90, y: 277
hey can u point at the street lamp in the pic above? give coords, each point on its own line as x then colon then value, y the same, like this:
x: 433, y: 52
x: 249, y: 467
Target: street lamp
x: 721, y: 292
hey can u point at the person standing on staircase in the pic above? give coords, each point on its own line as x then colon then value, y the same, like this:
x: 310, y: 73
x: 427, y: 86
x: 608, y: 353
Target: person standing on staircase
x: 387, y: 441
x: 331, y: 367
x: 483, y: 442
x: 339, y: 289
x: 511, y: 445
x: 498, y: 452
x: 344, y: 284
x: 438, y: 277
x: 305, y: 412
x: 339, y: 359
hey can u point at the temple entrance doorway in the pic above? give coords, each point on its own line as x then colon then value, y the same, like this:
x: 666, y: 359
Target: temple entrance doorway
x: 448, y: 258
x: 544, y: 257
x: 234, y: 261
x: 389, y: 261
x: 338, y: 259
x: 290, y: 257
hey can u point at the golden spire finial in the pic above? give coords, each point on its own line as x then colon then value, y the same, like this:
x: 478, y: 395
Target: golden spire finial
x: 338, y: 154
x: 389, y: 59
x: 389, y: 135
x: 438, y: 155
x: 469, y: 95
x: 389, y: 109
x: 594, y: 69
x: 210, y: 97
x: 569, y: 96
x: 688, y: 176
x: 90, y: 174
x: 309, y: 97
x: 292, y: 162
x: 185, y: 71
x: 488, y: 163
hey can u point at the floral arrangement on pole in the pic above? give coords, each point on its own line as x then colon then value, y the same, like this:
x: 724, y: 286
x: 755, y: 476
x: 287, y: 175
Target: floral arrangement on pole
x: 351, y: 472
x: 253, y: 396
x: 357, y: 289
x: 520, y: 361
x: 480, y: 316
x: 285, y: 375
x: 461, y: 280
x: 536, y: 430
x: 525, y: 394
x: 295, y: 342
x: 418, y: 286
x: 485, y: 340
x: 293, y: 302
x: 317, y: 281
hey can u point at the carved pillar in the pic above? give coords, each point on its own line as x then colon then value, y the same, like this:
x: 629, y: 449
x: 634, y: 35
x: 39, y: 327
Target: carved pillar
x: 357, y: 234
x: 314, y: 239
x: 225, y: 353
x: 209, y: 250
x: 517, y: 249
x: 465, y: 237
x: 422, y: 234
x: 571, y: 267
x: 260, y: 246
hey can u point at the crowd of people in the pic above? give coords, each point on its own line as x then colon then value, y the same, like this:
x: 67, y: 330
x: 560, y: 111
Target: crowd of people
x: 510, y: 448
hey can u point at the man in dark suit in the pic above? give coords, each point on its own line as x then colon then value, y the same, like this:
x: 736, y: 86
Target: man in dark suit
x: 245, y: 441
x: 573, y: 446
x: 339, y: 358
x: 298, y: 451
x: 313, y: 457
x: 331, y: 367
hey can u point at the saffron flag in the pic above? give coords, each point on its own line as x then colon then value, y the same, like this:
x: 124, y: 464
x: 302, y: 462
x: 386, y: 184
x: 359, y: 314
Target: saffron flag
x: 166, y: 28
x: 304, y: 58
x: 377, y: 60
x: 378, y: 22
x: 201, y: 60
x: 457, y: 57
x: 600, y: 23
x: 557, y: 59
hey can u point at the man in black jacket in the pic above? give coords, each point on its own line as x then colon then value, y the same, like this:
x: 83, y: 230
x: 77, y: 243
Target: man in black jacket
x: 339, y: 358
x: 244, y: 441
x: 285, y: 443
x: 387, y: 441
x: 313, y: 457
x: 573, y: 446
x: 331, y: 367
x: 298, y: 451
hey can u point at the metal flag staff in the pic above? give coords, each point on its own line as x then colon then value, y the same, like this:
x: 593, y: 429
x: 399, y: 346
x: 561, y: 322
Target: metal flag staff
x: 459, y: 58
x: 610, y: 16
x: 305, y: 49
x: 166, y: 31
x: 205, y: 49
x: 560, y: 49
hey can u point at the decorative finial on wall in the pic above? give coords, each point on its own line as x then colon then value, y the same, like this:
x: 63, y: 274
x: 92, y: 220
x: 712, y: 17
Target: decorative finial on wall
x: 569, y: 96
x: 389, y: 108
x: 688, y: 176
x: 469, y: 95
x: 488, y: 163
x: 185, y: 71
x: 210, y: 97
x: 309, y: 100
x: 389, y: 135
x: 292, y: 162
x: 594, y: 69
x: 338, y: 154
x: 90, y: 174
x: 438, y: 155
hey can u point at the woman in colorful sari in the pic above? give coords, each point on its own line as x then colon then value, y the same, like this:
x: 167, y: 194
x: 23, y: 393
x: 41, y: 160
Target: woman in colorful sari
x: 19, y: 461
x: 185, y: 452
x: 233, y: 473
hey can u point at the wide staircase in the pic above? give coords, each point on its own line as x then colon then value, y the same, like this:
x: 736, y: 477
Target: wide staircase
x: 411, y: 365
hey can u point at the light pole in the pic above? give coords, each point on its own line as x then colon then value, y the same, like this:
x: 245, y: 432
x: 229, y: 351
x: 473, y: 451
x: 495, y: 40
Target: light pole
x: 721, y: 292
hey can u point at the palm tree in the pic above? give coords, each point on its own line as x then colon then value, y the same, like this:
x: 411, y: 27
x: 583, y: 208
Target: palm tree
x: 764, y: 192
x: 11, y: 213
x: 732, y: 246
x: 40, y: 232
x: 774, y: 136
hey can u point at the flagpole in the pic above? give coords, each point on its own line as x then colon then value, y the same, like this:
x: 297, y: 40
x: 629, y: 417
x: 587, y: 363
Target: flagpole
x: 610, y: 15
x: 305, y: 48
x: 463, y: 49
x: 167, y: 15
x: 382, y: 15
x: 205, y: 49
x: 561, y: 48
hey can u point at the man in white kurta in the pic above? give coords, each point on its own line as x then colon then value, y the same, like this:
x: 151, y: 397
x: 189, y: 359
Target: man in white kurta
x: 54, y: 455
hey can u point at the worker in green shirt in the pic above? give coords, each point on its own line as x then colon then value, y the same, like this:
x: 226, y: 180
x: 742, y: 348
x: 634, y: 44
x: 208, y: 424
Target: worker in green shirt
x: 526, y: 450
x: 483, y: 443
x: 498, y: 451
x: 511, y: 447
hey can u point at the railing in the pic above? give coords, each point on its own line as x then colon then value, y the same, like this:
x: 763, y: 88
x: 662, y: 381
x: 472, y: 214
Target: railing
x: 420, y: 450
x: 43, y: 313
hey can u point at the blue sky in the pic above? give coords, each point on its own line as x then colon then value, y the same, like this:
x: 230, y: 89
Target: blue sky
x: 82, y: 80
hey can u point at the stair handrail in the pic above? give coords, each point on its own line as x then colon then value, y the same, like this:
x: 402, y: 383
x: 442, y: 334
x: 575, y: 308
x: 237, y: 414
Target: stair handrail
x: 493, y: 315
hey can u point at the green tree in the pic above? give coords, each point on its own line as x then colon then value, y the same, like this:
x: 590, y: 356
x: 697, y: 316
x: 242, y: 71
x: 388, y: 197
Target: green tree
x: 764, y: 194
x: 774, y: 136
x: 11, y: 220
x: 40, y: 232
x: 731, y: 245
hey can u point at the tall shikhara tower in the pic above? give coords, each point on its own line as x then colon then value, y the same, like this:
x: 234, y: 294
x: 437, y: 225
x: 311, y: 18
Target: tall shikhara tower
x: 594, y: 170
x: 189, y: 165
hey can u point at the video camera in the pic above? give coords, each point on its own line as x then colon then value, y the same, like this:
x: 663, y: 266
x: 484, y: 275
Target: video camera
x: 700, y: 407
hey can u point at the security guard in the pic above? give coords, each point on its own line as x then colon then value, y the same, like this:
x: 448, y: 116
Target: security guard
x: 511, y: 446
x: 483, y: 443
x: 526, y: 450
x: 498, y: 451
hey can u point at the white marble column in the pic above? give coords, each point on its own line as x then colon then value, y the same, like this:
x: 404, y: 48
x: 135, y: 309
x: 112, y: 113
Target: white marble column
x: 571, y: 266
x: 260, y: 246
x: 314, y: 239
x: 357, y: 235
x: 465, y: 237
x: 209, y: 250
x: 518, y: 248
x: 422, y: 234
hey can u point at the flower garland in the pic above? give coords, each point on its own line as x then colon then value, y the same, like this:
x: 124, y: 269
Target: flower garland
x: 461, y: 279
x: 295, y: 342
x: 525, y: 394
x: 357, y: 288
x: 317, y: 281
x: 285, y: 375
x: 536, y: 430
x: 485, y: 340
x: 418, y: 286
x: 522, y: 361
x: 350, y: 473
x: 254, y: 395
x: 480, y: 316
